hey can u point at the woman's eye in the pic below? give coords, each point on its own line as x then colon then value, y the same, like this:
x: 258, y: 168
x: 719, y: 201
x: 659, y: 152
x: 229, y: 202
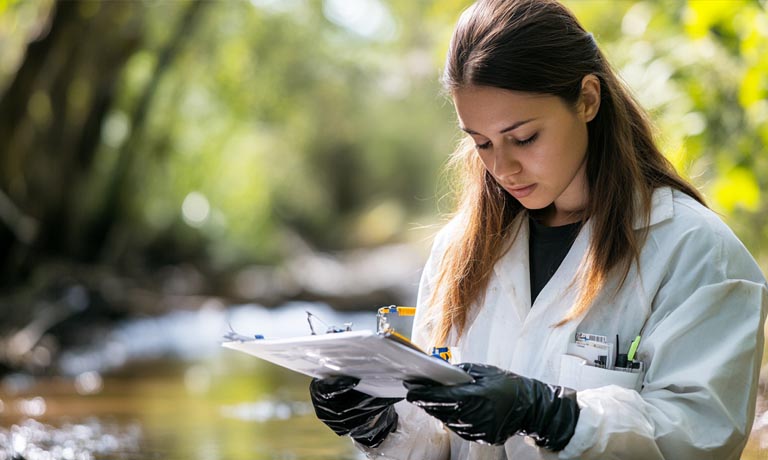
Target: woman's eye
x: 527, y: 141
x: 483, y: 146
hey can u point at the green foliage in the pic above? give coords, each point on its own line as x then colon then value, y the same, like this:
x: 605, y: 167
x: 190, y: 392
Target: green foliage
x: 281, y: 119
x: 701, y: 68
x: 19, y: 23
x: 287, y: 123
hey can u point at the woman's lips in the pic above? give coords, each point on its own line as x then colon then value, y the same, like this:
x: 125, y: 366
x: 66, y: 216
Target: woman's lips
x: 521, y: 192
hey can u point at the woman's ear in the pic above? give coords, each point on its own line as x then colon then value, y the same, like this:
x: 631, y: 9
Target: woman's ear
x: 590, y: 97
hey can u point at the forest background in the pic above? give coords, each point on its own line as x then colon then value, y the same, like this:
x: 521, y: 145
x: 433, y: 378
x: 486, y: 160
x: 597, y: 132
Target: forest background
x: 226, y: 138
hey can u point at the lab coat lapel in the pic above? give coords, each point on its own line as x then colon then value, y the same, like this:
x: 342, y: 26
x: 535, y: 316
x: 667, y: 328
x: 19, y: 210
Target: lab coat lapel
x: 558, y: 295
x: 539, y: 338
x: 513, y: 271
x: 538, y: 345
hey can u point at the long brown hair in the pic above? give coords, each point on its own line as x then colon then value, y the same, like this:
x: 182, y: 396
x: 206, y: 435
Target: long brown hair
x: 538, y: 46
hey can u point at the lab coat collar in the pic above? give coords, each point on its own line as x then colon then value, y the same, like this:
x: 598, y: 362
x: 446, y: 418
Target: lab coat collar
x: 513, y: 269
x: 662, y: 208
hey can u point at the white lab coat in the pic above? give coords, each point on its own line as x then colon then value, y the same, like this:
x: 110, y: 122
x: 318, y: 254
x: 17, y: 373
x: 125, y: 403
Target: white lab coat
x: 699, y: 302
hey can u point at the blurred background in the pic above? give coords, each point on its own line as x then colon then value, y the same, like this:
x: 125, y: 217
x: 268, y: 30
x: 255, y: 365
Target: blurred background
x: 173, y: 169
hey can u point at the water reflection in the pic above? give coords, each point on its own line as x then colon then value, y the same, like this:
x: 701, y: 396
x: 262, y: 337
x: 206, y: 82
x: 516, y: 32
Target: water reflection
x: 33, y: 407
x: 32, y: 440
x: 88, y: 383
x: 264, y: 411
x: 248, y: 410
x: 165, y: 388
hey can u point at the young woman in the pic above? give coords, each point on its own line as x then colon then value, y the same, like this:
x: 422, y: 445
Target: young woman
x: 573, y: 237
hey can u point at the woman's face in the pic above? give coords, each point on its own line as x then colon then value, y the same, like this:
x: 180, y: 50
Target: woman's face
x: 534, y: 145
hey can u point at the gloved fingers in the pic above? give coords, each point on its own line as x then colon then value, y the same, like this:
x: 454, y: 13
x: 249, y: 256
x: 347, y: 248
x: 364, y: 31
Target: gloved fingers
x: 351, y: 405
x: 377, y: 430
x: 445, y: 414
x: 346, y: 425
x: 459, y: 425
x: 435, y: 401
x: 346, y: 399
x: 329, y: 387
x: 466, y: 366
x: 478, y: 370
x: 434, y: 407
x: 372, y: 424
x: 453, y: 415
x: 368, y: 403
x: 347, y: 411
x: 342, y: 415
x: 471, y: 436
x: 420, y: 382
x: 433, y: 394
x: 353, y: 402
x: 483, y: 438
x: 472, y: 433
x: 447, y: 403
x: 355, y: 421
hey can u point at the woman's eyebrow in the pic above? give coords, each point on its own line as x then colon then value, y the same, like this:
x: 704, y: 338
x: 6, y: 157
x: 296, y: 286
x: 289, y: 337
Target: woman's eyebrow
x: 511, y: 127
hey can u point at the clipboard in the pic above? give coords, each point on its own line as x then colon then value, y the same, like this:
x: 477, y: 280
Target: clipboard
x: 382, y: 361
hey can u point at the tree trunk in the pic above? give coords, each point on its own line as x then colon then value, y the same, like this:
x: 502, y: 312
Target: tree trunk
x: 114, y: 205
x: 50, y: 126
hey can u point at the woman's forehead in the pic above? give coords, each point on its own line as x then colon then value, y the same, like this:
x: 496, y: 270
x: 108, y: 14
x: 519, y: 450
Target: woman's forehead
x: 485, y: 104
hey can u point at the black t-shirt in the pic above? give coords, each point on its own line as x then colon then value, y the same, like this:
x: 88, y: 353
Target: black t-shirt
x: 547, y: 247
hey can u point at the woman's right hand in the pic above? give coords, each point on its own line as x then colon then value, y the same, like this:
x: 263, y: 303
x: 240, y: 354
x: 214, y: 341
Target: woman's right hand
x: 367, y: 419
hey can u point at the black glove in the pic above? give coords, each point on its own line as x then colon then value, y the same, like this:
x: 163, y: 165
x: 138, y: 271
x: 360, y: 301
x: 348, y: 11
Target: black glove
x: 500, y: 404
x: 367, y: 419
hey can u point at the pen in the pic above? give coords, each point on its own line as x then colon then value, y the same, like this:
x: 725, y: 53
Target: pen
x: 633, y: 348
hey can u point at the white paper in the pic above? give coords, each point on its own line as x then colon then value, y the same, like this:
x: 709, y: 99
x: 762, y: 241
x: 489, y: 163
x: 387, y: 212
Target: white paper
x: 380, y: 362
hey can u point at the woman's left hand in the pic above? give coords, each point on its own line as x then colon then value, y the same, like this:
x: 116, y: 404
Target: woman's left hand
x: 500, y: 404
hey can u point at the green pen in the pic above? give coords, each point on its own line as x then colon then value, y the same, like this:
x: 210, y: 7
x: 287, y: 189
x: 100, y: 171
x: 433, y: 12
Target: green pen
x: 633, y: 348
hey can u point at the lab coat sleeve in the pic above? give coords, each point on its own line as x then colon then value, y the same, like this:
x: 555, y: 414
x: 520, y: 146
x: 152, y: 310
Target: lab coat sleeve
x: 703, y: 342
x: 418, y: 436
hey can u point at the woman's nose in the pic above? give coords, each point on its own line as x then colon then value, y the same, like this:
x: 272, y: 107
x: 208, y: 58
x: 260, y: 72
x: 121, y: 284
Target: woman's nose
x: 505, y: 164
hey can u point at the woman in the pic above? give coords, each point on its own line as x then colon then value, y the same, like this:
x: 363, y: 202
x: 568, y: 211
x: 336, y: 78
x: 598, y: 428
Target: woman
x: 573, y: 237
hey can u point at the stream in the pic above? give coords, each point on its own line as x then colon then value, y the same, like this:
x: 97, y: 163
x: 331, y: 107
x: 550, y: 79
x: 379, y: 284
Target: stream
x: 164, y: 388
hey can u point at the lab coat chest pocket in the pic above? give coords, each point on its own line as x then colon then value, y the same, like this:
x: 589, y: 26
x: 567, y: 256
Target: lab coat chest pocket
x: 622, y: 316
x: 576, y: 374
